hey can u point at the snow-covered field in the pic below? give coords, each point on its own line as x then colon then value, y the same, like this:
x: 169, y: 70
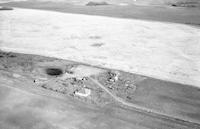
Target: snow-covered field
x: 165, y: 51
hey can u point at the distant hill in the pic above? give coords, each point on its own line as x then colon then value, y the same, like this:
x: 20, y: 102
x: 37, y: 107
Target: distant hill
x: 183, y: 3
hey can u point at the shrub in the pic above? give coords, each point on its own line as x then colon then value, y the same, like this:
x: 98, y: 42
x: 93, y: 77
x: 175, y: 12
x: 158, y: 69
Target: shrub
x: 91, y: 3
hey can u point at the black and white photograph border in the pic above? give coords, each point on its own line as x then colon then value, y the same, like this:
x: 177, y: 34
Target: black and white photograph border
x: 99, y: 64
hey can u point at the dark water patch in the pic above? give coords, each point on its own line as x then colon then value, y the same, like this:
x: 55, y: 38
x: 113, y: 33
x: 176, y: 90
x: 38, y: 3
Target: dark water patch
x: 54, y: 71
